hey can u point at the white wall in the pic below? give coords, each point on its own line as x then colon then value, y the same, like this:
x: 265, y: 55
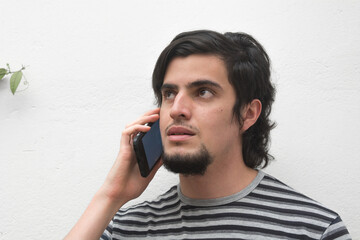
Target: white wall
x: 90, y: 65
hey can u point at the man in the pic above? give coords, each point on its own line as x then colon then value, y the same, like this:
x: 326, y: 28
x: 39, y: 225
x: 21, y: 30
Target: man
x: 215, y: 98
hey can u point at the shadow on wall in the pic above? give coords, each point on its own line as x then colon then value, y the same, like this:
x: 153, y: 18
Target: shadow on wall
x: 4, y: 85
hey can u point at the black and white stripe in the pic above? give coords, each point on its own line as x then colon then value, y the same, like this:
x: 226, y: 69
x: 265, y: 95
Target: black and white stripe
x: 266, y: 209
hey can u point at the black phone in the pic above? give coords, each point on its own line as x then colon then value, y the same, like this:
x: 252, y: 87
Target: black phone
x: 148, y: 148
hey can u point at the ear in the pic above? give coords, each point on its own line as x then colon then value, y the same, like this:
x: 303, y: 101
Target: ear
x: 250, y: 114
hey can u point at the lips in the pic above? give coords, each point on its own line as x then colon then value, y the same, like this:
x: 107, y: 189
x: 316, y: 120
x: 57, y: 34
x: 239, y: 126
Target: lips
x: 176, y: 133
x: 179, y: 131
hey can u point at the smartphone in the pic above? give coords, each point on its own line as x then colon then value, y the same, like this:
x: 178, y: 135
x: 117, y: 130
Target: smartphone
x: 148, y: 148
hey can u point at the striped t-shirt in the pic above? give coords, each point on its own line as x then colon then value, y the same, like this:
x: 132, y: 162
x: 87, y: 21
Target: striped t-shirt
x: 266, y: 209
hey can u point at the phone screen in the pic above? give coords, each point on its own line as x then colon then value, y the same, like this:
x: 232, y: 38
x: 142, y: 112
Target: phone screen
x: 152, y: 145
x: 148, y: 148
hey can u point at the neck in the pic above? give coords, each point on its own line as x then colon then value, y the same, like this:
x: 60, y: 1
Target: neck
x: 221, y: 179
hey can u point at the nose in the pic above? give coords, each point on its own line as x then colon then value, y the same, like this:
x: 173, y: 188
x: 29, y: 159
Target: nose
x: 181, y: 107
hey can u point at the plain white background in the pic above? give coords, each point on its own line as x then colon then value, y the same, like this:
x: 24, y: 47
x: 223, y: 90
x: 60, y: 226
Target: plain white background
x: 89, y: 69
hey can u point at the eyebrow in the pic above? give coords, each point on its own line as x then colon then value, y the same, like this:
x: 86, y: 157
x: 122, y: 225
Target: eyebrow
x: 197, y: 83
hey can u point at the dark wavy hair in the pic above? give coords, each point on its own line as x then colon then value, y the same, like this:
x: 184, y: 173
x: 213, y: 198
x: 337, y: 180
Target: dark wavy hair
x: 248, y: 67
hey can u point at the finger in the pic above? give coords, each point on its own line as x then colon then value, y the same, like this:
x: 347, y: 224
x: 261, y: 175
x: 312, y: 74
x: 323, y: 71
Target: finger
x: 153, y: 111
x: 145, y: 119
x: 138, y: 126
x: 132, y: 130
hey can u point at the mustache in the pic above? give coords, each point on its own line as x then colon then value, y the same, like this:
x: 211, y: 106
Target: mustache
x: 181, y: 123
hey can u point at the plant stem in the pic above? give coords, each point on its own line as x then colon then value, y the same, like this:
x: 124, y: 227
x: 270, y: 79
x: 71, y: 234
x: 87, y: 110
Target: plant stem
x: 10, y: 72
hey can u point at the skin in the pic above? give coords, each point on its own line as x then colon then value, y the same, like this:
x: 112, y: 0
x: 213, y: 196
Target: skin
x: 122, y: 184
x: 197, y: 96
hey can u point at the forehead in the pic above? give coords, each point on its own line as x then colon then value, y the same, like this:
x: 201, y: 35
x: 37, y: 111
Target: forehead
x: 184, y: 70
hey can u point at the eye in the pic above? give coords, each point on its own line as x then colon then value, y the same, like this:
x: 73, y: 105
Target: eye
x: 168, y: 94
x: 205, y: 93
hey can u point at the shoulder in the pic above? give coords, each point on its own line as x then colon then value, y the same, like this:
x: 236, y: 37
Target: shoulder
x: 277, y: 194
x: 295, y: 209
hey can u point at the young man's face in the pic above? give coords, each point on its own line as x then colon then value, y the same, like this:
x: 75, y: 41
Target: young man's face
x: 196, y: 111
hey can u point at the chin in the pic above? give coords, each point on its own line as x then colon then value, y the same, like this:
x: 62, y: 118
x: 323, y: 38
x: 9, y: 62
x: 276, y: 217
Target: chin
x: 194, y: 162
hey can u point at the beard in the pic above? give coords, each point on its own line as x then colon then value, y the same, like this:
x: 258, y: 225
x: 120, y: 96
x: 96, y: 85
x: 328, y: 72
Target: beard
x: 188, y: 164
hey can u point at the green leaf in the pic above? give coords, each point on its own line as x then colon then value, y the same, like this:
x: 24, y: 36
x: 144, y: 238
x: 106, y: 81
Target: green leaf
x: 15, y: 80
x: 3, y: 72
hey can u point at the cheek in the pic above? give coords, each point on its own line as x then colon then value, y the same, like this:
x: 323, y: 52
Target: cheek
x: 223, y: 115
x: 217, y: 120
x: 163, y: 121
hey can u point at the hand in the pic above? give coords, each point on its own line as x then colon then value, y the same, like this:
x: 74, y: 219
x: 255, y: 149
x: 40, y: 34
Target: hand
x: 124, y: 181
x: 122, y: 184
